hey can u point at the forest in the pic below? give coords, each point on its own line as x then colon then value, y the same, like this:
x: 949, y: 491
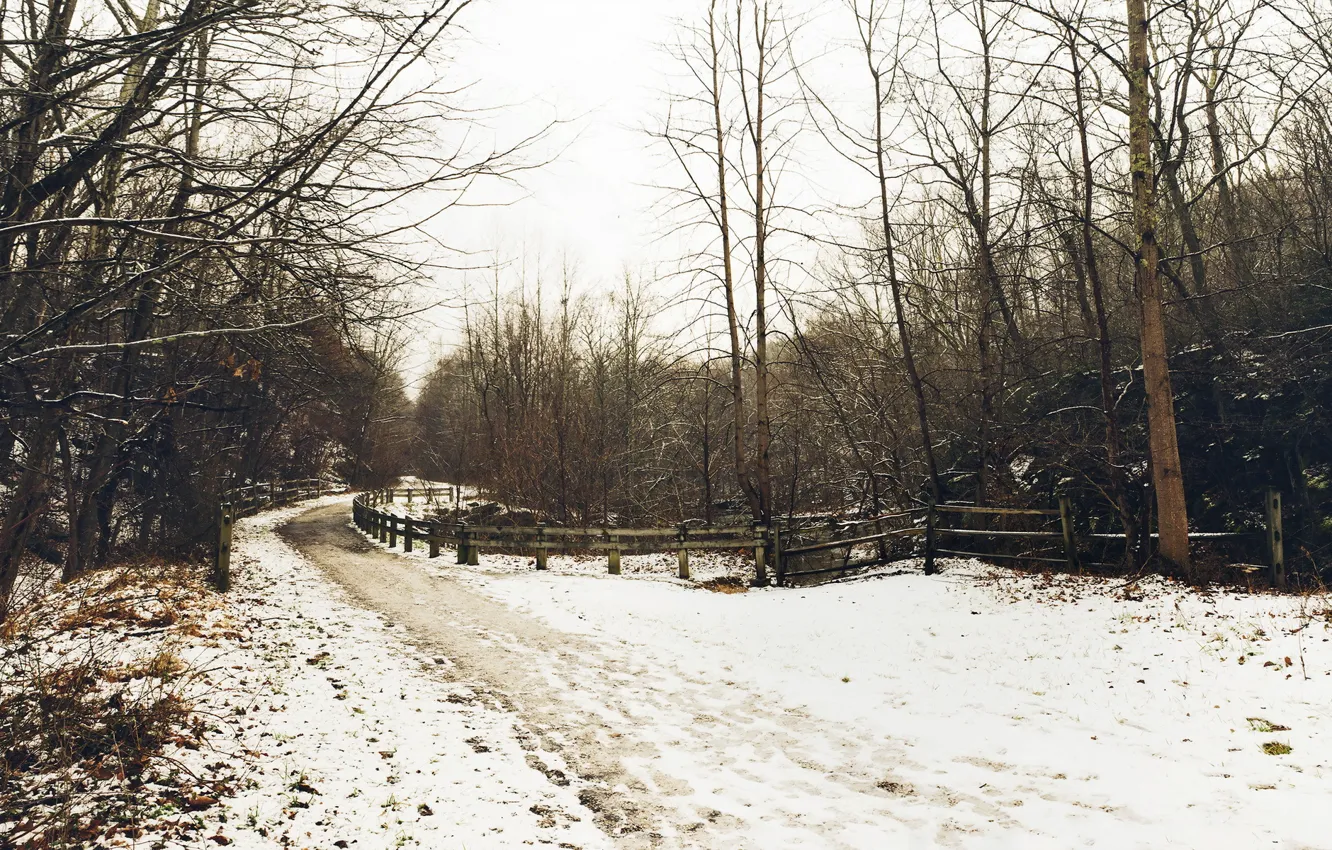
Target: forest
x: 686, y: 424
x: 197, y: 272
x: 985, y: 322
x: 1084, y: 250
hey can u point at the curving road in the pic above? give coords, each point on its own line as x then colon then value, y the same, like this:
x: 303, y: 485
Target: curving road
x: 671, y: 761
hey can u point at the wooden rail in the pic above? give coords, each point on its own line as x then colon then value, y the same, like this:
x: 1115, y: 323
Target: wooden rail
x: 249, y: 499
x: 1053, y: 539
x: 372, y: 513
x: 832, y: 547
x: 1071, y: 540
x: 793, y: 552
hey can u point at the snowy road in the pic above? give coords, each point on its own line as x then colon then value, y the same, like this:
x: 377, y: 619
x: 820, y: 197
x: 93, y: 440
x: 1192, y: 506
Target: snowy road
x: 900, y: 713
x: 648, y: 743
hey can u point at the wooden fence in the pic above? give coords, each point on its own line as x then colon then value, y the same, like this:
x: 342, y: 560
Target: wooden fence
x: 838, y: 546
x: 1030, y: 535
x: 372, y: 513
x: 800, y: 549
x: 249, y: 499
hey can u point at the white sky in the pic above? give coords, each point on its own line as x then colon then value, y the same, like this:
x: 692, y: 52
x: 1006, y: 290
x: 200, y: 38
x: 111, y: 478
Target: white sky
x: 603, y: 67
x: 597, y: 65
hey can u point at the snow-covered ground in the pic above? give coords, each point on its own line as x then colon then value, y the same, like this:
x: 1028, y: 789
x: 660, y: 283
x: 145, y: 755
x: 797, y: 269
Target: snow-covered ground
x: 316, y: 724
x: 498, y: 707
x: 977, y: 708
x: 357, y: 740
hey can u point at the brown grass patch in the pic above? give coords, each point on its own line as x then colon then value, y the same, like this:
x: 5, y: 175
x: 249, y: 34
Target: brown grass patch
x: 91, y: 695
x: 725, y: 584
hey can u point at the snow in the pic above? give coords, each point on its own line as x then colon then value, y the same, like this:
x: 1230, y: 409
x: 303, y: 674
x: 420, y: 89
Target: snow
x: 978, y: 708
x: 350, y: 735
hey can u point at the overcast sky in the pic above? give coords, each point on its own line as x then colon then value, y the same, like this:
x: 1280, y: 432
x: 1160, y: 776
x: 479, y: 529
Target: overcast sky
x: 603, y: 68
x: 597, y: 65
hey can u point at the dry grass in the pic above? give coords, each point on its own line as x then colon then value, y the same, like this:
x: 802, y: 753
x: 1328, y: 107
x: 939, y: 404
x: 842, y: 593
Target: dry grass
x: 93, y: 695
x: 725, y: 584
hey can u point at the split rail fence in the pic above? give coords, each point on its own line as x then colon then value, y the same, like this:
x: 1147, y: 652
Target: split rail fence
x: 371, y: 513
x: 249, y: 499
x: 802, y: 549
x: 1032, y: 535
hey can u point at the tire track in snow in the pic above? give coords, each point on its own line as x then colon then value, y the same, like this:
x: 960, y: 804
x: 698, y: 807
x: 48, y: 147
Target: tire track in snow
x: 663, y: 759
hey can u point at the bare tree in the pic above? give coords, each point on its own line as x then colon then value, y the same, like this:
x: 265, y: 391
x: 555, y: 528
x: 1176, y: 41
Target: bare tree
x: 1167, y: 474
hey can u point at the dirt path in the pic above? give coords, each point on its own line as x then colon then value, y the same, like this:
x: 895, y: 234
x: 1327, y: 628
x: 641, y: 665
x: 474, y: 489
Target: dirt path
x: 663, y: 758
x: 515, y: 657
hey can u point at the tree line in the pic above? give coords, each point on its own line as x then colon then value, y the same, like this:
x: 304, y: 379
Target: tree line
x: 193, y: 259
x: 1089, y: 251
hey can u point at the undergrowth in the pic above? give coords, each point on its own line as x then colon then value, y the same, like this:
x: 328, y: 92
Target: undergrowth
x: 94, y: 698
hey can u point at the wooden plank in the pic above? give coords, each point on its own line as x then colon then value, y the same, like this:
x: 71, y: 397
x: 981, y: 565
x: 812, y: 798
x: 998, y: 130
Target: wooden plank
x: 627, y: 546
x: 973, y: 509
x: 1193, y: 535
x: 988, y: 555
x: 744, y: 531
x: 1276, y: 545
x: 974, y: 532
x: 222, y: 564
x: 1066, y: 529
x: 853, y: 541
x: 841, y: 568
x: 903, y: 515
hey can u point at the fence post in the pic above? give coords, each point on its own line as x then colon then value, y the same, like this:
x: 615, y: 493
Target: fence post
x: 761, y: 550
x: 613, y: 557
x: 433, y: 529
x: 462, y: 541
x: 392, y: 531
x: 1276, y: 544
x: 222, y: 564
x: 407, y: 534
x: 773, y: 535
x: 761, y: 568
x: 1066, y: 526
x: 684, y: 553
x: 473, y: 553
x: 930, y: 521
x: 541, y: 546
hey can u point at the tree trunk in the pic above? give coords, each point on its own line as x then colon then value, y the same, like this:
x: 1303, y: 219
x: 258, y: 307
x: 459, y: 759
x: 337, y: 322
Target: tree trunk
x: 895, y: 285
x: 728, y: 277
x: 26, y: 504
x: 1168, y: 480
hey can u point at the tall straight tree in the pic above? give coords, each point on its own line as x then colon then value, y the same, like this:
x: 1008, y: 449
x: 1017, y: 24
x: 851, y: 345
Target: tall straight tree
x: 1167, y: 475
x: 705, y: 55
x: 769, y: 48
